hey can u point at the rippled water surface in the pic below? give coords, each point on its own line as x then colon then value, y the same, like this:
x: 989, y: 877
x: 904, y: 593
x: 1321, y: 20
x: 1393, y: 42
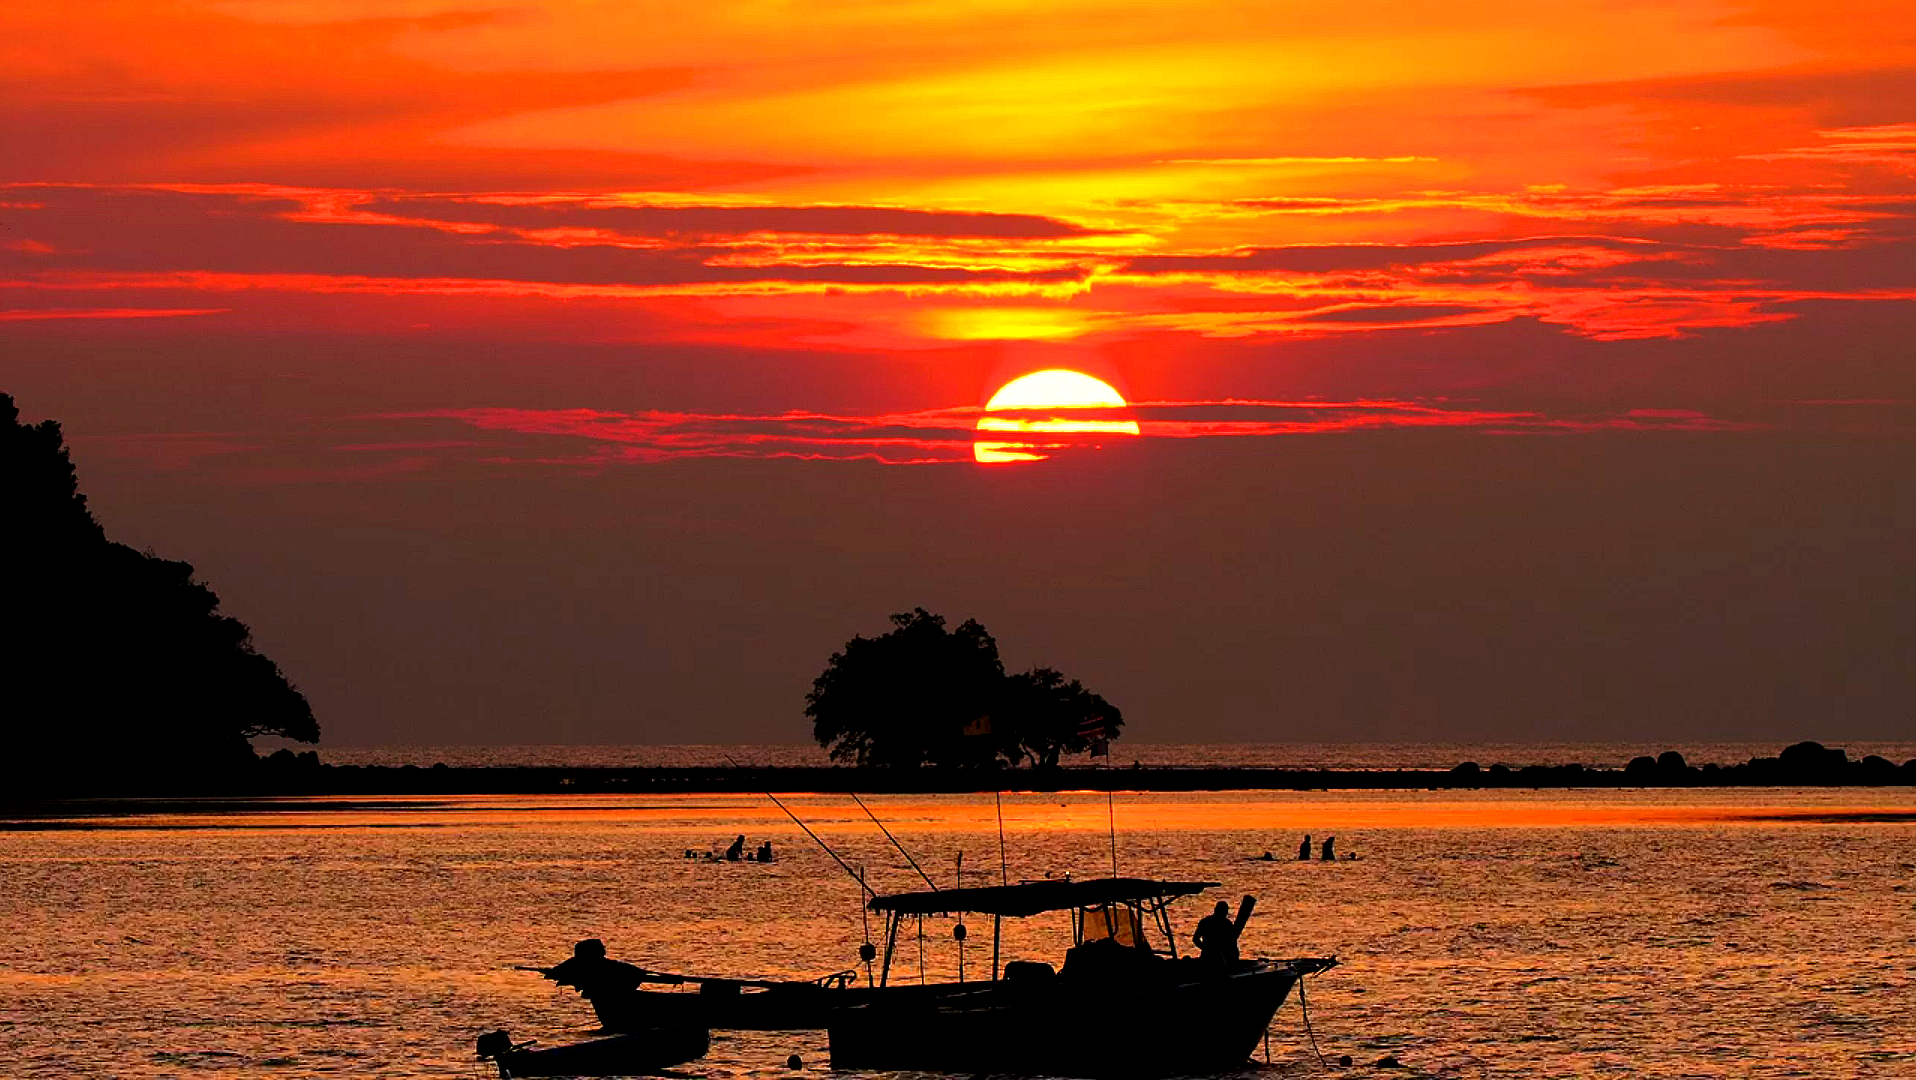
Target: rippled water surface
x: 1692, y: 933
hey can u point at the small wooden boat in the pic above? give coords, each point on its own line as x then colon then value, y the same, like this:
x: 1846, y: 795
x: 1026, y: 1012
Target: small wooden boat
x: 634, y: 1054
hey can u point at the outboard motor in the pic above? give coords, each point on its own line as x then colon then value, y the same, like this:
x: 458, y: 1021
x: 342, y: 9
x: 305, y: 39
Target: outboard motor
x: 495, y: 1046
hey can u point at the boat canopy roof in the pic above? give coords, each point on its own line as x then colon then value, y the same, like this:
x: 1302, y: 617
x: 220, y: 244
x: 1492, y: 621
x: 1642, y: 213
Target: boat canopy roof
x: 1033, y: 897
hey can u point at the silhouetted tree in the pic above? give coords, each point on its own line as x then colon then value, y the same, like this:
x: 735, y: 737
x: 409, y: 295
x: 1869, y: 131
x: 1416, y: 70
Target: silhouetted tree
x: 1045, y: 716
x: 121, y: 661
x: 906, y: 696
x: 921, y: 694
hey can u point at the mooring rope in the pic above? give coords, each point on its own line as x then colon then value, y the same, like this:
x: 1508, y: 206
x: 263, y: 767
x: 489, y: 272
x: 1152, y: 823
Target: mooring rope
x: 1304, y: 1003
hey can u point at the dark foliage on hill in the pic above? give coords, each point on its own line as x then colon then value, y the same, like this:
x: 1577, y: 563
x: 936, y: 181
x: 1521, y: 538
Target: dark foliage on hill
x: 122, y: 667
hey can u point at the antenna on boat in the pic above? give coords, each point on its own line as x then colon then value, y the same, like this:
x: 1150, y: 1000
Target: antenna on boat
x: 866, y: 952
x: 1004, y: 873
x: 959, y: 930
x: 1100, y: 745
x: 894, y: 840
x: 855, y: 875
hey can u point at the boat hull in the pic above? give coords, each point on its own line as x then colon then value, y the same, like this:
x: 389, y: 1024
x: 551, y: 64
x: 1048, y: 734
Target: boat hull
x: 788, y: 1007
x: 633, y: 1054
x: 1181, y: 1023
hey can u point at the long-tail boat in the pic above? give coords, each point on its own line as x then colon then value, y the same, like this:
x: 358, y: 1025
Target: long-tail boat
x: 738, y: 1004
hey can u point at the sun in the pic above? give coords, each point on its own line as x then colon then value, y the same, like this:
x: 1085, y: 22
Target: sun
x: 1049, y: 411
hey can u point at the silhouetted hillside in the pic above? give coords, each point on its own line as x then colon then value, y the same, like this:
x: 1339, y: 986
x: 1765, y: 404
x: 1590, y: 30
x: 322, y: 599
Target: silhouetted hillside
x: 122, y: 672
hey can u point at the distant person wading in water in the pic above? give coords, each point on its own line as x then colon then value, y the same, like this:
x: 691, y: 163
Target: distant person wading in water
x: 1304, y: 849
x: 1216, y: 936
x: 1329, y: 855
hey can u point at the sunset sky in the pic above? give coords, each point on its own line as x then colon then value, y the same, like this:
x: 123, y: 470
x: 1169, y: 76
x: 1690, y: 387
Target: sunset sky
x: 576, y: 371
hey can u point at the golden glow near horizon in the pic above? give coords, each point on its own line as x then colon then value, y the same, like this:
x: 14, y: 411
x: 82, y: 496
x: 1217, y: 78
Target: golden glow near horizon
x: 1038, y: 407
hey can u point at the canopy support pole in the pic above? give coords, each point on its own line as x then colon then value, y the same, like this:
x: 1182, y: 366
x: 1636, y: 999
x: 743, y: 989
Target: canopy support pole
x: 891, y: 940
x: 1164, y: 921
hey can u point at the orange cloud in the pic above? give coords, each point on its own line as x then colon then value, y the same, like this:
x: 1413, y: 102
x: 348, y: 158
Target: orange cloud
x: 916, y: 178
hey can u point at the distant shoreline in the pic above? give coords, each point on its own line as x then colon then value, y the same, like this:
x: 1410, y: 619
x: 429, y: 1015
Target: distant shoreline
x: 1295, y: 756
x: 292, y: 777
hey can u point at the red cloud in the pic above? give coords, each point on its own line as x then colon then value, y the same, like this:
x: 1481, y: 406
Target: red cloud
x: 945, y: 435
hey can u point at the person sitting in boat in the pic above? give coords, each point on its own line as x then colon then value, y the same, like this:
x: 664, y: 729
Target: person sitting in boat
x: 737, y: 850
x: 593, y: 974
x: 1216, y: 937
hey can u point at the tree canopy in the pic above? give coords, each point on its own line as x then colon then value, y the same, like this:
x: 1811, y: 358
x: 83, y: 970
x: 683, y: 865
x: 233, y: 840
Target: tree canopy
x: 122, y: 661
x: 922, y: 694
x: 1046, y: 715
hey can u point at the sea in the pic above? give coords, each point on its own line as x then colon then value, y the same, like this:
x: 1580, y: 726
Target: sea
x: 1732, y: 932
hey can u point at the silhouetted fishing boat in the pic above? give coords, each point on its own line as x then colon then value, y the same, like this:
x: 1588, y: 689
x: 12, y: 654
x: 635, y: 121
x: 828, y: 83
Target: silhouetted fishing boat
x: 633, y: 1054
x: 1117, y: 1007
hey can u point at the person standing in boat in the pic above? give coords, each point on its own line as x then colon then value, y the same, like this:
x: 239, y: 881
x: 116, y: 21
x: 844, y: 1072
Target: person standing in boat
x: 594, y: 975
x: 1216, y: 937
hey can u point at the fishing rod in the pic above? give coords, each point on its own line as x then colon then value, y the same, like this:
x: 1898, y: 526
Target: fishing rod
x: 843, y: 865
x: 894, y: 840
